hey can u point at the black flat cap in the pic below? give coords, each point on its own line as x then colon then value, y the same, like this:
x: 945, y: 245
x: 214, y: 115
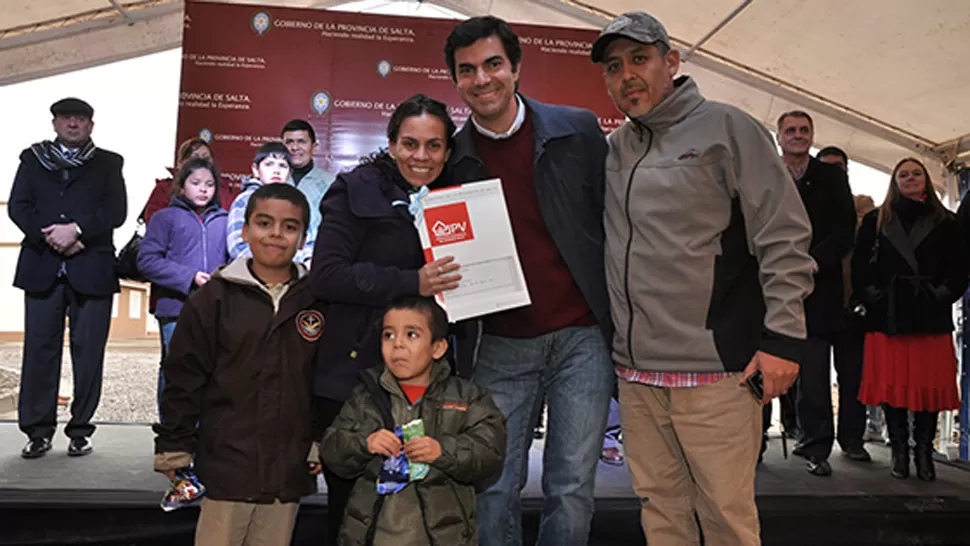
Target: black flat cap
x: 72, y: 105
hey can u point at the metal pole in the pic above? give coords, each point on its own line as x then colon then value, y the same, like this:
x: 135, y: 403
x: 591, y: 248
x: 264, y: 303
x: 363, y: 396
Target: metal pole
x: 122, y: 11
x: 717, y: 28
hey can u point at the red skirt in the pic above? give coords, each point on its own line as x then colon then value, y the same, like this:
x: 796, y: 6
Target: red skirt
x: 916, y: 372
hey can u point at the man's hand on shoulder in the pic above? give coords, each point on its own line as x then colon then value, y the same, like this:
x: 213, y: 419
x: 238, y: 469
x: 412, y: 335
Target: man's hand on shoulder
x: 778, y: 374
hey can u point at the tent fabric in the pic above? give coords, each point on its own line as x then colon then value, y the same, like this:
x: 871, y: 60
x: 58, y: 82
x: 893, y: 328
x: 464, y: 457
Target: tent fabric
x: 883, y: 82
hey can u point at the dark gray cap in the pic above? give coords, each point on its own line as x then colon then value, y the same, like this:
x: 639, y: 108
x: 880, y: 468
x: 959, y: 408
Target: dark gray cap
x: 72, y: 105
x: 638, y: 26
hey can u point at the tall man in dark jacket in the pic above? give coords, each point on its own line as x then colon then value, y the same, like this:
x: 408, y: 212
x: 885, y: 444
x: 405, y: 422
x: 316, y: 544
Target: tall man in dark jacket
x: 551, y: 162
x: 849, y: 342
x: 825, y: 192
x: 67, y: 199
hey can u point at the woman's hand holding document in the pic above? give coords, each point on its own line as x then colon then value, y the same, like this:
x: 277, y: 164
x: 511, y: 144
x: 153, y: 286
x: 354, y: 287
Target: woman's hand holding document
x: 470, y: 224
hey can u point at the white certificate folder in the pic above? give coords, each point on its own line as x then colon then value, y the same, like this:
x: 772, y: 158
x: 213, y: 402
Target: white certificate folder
x: 471, y: 223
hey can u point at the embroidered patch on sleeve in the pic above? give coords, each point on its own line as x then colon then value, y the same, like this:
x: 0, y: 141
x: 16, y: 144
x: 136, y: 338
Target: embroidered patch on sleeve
x: 310, y: 324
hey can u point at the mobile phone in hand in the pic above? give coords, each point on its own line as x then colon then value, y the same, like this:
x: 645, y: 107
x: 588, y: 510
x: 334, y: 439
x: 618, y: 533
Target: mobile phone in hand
x: 756, y: 385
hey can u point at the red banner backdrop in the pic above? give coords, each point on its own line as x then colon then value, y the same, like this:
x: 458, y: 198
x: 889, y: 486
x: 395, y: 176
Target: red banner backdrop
x: 248, y: 69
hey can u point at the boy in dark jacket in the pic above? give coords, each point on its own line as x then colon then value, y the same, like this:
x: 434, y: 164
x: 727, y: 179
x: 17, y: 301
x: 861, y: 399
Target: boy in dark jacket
x: 464, y: 442
x: 241, y: 367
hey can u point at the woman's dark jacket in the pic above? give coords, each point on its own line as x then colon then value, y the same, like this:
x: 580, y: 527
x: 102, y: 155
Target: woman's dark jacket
x: 366, y: 256
x: 909, y: 276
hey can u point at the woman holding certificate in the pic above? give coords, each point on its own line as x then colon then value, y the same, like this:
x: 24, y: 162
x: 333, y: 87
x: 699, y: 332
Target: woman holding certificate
x: 368, y: 254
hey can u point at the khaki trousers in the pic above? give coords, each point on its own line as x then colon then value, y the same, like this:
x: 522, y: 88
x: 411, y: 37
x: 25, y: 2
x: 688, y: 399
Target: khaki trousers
x: 225, y: 523
x: 693, y: 450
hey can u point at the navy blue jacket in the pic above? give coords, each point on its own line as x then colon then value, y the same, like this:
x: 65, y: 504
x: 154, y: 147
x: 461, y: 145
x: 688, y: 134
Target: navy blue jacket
x: 825, y: 192
x: 177, y: 245
x: 93, y: 196
x: 570, y: 162
x: 367, y: 255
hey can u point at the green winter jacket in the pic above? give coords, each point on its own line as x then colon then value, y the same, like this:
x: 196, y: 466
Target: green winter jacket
x: 440, y: 509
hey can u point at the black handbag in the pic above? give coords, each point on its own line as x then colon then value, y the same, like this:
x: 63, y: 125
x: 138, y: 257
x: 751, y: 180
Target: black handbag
x: 126, y: 264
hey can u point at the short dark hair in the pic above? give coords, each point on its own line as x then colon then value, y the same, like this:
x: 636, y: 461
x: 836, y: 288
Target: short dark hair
x: 275, y: 149
x: 189, y: 167
x: 796, y: 114
x: 299, y: 125
x: 472, y: 30
x: 437, y: 319
x: 285, y: 192
x: 834, y: 150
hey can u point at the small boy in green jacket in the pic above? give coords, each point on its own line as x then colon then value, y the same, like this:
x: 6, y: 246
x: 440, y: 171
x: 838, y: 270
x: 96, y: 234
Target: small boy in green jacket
x: 463, y: 445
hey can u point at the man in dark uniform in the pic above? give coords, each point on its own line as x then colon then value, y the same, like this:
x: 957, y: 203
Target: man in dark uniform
x: 67, y: 199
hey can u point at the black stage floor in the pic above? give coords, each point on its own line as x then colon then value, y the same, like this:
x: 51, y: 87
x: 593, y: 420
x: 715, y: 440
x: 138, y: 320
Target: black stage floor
x: 111, y: 497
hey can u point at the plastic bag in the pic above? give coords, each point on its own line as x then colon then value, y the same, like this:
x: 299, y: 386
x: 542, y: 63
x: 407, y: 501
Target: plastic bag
x: 183, y: 491
x: 395, y: 473
x: 398, y: 471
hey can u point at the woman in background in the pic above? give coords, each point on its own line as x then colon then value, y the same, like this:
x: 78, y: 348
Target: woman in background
x: 908, y: 268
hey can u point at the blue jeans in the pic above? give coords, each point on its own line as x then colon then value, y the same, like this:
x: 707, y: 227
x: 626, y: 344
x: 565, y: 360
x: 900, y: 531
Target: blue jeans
x: 166, y: 327
x: 572, y: 370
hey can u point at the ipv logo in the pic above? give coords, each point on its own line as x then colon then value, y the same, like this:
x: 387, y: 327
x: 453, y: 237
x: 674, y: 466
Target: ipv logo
x: 448, y: 224
x: 442, y: 229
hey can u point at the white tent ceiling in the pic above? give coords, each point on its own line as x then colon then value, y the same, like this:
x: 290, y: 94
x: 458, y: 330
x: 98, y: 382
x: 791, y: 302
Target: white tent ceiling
x: 883, y: 78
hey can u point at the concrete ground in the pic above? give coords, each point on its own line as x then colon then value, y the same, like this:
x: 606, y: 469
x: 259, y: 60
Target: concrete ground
x: 128, y: 388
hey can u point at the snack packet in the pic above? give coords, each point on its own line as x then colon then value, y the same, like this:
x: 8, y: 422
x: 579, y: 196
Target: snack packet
x: 415, y: 429
x: 183, y: 491
x: 395, y: 473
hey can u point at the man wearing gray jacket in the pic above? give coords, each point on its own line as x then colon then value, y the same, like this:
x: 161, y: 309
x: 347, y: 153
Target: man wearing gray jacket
x: 707, y: 267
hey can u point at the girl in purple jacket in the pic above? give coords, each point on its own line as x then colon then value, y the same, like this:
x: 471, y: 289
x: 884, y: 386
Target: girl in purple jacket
x: 184, y: 244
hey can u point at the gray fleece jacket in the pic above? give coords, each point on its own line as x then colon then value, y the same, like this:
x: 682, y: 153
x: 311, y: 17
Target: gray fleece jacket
x: 706, y: 240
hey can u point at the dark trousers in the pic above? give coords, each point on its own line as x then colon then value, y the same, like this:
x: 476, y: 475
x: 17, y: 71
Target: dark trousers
x: 814, y: 400
x: 90, y: 319
x: 338, y: 489
x: 849, y: 348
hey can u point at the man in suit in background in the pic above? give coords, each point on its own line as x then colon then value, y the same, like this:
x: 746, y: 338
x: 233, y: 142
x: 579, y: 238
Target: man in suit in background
x: 824, y: 189
x: 67, y: 199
